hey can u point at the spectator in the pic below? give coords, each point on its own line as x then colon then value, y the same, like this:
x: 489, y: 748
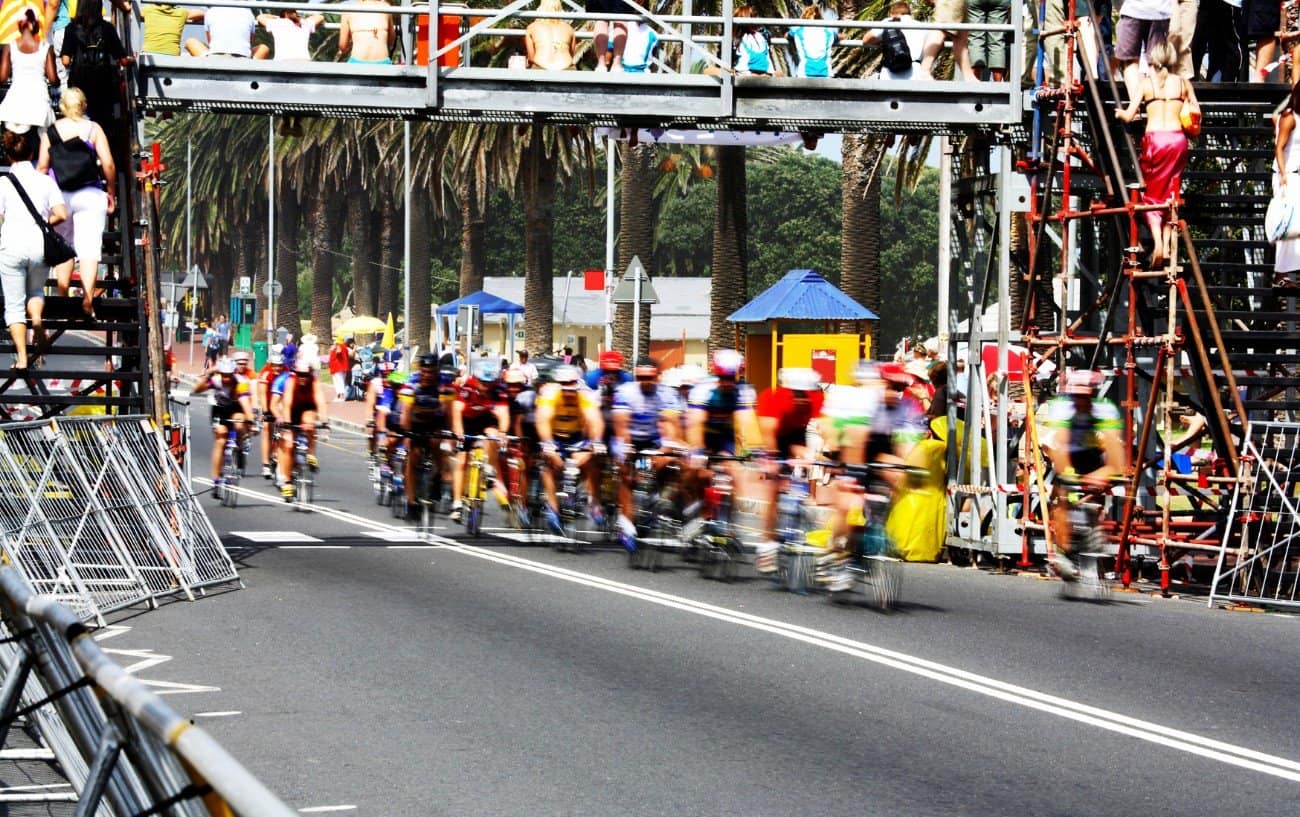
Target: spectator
x: 1262, y: 18
x: 229, y: 32
x: 163, y: 27
x: 753, y: 50
x: 339, y: 365
x: 90, y: 198
x: 550, y: 45
x: 93, y: 55
x: 1164, y: 145
x: 290, y: 33
x: 900, y: 11
x: 367, y: 37
x: 211, y: 346
x: 639, y: 47
x: 1182, y: 24
x: 28, y: 65
x: 990, y: 50
x: 1055, y: 48
x: 609, y: 36
x: 1286, y: 183
x: 1143, y: 24
x: 529, y: 369
x: 22, y: 244
x: 949, y: 11
x: 812, y: 45
x: 1216, y: 37
x: 223, y: 334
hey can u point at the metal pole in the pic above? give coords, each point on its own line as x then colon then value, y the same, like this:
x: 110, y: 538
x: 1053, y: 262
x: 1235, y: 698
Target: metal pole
x: 189, y: 238
x: 406, y: 239
x: 610, y: 153
x: 636, y: 317
x: 270, y: 231
x: 1004, y: 335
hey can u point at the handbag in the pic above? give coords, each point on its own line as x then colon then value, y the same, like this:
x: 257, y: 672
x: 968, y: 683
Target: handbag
x: 57, y: 248
x: 1282, y: 219
x: 1189, y: 116
x: 74, y: 162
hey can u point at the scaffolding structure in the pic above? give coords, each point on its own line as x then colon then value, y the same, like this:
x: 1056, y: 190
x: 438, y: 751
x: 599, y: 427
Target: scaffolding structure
x: 1073, y: 288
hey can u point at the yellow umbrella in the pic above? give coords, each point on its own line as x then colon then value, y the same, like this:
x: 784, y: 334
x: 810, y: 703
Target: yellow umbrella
x: 363, y: 325
x: 389, y: 341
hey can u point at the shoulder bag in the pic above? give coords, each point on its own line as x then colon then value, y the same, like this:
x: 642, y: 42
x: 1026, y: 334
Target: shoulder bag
x: 57, y: 248
x: 1282, y: 219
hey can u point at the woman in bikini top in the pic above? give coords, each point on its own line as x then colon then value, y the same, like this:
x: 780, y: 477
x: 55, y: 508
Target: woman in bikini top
x: 367, y: 37
x: 550, y: 44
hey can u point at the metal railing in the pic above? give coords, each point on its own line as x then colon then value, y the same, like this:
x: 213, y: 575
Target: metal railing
x: 96, y: 511
x: 122, y: 749
x: 1265, y: 518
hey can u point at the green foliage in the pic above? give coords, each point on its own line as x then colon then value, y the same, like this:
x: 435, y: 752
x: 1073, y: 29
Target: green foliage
x: 908, y: 251
x: 794, y: 218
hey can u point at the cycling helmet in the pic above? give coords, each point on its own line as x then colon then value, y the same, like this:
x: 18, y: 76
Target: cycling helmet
x: 798, y: 379
x: 1081, y: 381
x: 428, y: 360
x: 386, y: 367
x: 276, y: 358
x: 567, y: 376
x: 646, y: 367
x: 896, y: 374
x: 225, y: 366
x: 866, y: 371
x: 486, y: 370
x: 514, y: 377
x: 447, y: 376
x: 397, y: 379
x: 611, y: 360
x: 727, y: 362
x: 241, y: 356
x: 672, y: 378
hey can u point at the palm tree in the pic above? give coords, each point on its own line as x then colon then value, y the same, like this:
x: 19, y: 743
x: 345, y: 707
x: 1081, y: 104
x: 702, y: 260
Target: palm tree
x: 730, y: 257
x: 636, y: 233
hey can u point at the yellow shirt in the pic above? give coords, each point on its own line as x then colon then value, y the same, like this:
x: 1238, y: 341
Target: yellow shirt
x: 569, y: 408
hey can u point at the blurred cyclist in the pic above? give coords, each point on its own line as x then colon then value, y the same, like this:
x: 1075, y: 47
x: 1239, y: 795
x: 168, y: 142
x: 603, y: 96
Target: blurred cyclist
x: 784, y: 413
x: 645, y: 415
x: 479, y: 410
x: 423, y: 420
x: 231, y: 407
x: 568, y: 425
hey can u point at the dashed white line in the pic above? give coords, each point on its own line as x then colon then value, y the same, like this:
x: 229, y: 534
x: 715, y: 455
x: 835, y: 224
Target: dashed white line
x: 321, y: 809
x: 274, y: 537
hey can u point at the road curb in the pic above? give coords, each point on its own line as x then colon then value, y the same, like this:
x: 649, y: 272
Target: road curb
x: 335, y: 423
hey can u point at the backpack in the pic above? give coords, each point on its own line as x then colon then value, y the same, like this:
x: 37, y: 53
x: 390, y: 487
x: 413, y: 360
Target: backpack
x: 92, y: 63
x: 894, y: 52
x: 74, y: 162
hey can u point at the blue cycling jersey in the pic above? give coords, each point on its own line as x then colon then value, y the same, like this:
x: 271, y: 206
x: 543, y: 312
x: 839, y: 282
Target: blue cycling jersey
x: 645, y: 409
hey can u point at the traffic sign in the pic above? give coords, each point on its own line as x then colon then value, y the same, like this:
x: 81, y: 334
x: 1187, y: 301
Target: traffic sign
x: 272, y: 289
x: 626, y: 290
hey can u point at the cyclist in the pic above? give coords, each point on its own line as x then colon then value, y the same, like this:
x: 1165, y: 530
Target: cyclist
x: 274, y: 368
x: 784, y: 413
x: 523, y: 423
x: 231, y: 407
x: 479, y: 410
x: 720, y: 419
x: 423, y: 419
x: 378, y: 398
x: 302, y: 404
x: 1083, y: 444
x: 604, y: 381
x: 645, y: 415
x: 568, y: 418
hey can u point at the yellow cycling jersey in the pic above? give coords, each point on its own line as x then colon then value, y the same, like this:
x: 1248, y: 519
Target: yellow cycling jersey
x: 569, y: 407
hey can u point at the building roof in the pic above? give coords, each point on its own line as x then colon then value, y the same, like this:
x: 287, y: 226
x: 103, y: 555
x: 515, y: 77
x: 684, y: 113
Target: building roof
x: 683, y: 304
x: 487, y: 303
x: 802, y: 295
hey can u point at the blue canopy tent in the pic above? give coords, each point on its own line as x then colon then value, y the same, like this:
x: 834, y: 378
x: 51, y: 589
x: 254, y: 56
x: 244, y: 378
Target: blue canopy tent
x: 800, y: 312
x: 488, y: 304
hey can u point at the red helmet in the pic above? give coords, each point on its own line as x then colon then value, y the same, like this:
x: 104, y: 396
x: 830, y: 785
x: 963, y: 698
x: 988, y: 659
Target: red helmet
x: 611, y: 360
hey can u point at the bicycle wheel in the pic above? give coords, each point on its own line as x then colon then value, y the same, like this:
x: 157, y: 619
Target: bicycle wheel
x: 886, y: 581
x: 303, y: 491
x: 230, y: 475
x: 474, y: 517
x: 397, y: 503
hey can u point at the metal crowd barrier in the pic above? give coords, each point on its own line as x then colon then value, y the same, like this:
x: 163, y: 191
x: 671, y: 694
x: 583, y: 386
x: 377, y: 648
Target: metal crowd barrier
x: 97, y: 512
x: 122, y: 749
x: 1265, y: 516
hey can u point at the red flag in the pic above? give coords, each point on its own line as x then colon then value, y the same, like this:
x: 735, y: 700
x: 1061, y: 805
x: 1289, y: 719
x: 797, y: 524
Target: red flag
x: 593, y: 280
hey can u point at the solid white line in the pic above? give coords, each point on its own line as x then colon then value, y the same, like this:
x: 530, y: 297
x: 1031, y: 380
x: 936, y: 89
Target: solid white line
x: 319, y: 809
x: 1148, y: 731
x: 223, y: 714
x: 313, y: 547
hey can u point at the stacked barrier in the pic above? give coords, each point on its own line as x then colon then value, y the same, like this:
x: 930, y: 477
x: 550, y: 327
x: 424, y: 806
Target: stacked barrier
x: 122, y: 749
x: 96, y: 512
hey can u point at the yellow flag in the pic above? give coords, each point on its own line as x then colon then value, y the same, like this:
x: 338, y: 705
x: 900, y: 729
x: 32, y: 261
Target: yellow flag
x: 389, y: 341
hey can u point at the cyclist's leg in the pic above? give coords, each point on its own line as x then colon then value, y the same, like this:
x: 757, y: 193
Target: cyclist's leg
x: 220, y: 431
x: 551, y: 466
x: 309, y: 423
x: 414, y: 453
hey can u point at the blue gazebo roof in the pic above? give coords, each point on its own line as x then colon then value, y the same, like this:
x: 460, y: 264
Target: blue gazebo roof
x: 487, y: 304
x: 802, y: 295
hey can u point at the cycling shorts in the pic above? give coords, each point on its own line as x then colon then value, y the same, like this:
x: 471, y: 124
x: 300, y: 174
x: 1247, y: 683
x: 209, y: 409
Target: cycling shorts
x: 478, y: 426
x: 295, y: 416
x: 223, y: 415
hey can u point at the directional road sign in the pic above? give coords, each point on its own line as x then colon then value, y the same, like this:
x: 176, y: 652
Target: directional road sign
x: 625, y: 292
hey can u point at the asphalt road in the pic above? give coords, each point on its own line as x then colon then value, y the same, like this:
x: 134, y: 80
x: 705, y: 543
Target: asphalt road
x: 360, y: 671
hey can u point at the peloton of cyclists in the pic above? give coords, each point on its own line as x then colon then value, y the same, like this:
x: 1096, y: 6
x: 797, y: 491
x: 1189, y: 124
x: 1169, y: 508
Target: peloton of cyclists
x: 645, y: 414
x: 232, y: 405
x: 569, y: 424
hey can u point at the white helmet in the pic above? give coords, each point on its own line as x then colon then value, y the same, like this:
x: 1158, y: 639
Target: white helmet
x: 727, y: 362
x: 798, y: 379
x: 225, y: 366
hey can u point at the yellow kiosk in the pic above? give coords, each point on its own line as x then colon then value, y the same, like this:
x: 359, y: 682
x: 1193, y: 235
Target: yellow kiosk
x: 793, y: 323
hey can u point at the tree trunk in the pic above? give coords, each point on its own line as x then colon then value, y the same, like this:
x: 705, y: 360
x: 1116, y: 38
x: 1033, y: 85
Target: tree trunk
x: 860, y: 227
x: 472, y: 230
x: 287, y: 223
x: 636, y: 236
x: 361, y: 235
x: 730, y: 261
x: 539, y: 249
x: 327, y: 210
x: 418, y: 323
x: 390, y: 260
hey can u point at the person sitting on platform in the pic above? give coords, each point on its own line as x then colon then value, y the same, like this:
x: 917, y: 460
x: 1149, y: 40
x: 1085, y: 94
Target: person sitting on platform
x: 638, y: 50
x: 290, y: 33
x: 812, y: 45
x: 367, y: 37
x: 163, y: 26
x: 550, y: 45
x: 230, y: 33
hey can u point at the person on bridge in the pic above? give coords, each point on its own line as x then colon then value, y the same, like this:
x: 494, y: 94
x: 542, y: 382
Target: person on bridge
x: 1286, y: 184
x: 90, y: 196
x: 812, y: 45
x: 291, y: 34
x: 22, y: 246
x: 229, y: 31
x: 550, y: 45
x: 164, y: 25
x: 609, y: 36
x: 949, y: 11
x: 367, y: 37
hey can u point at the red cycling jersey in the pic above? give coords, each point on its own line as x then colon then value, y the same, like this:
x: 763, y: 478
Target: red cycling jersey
x: 477, y: 403
x: 792, y: 414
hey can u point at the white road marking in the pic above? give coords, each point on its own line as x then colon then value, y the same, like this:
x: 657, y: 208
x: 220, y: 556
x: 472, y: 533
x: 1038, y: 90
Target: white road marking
x: 27, y: 754
x: 149, y: 659
x: 314, y: 547
x: 268, y: 537
x: 394, y: 536
x: 222, y: 714
x: 177, y: 688
x: 548, y: 538
x: 110, y: 631
x: 1148, y: 731
x: 320, y: 809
